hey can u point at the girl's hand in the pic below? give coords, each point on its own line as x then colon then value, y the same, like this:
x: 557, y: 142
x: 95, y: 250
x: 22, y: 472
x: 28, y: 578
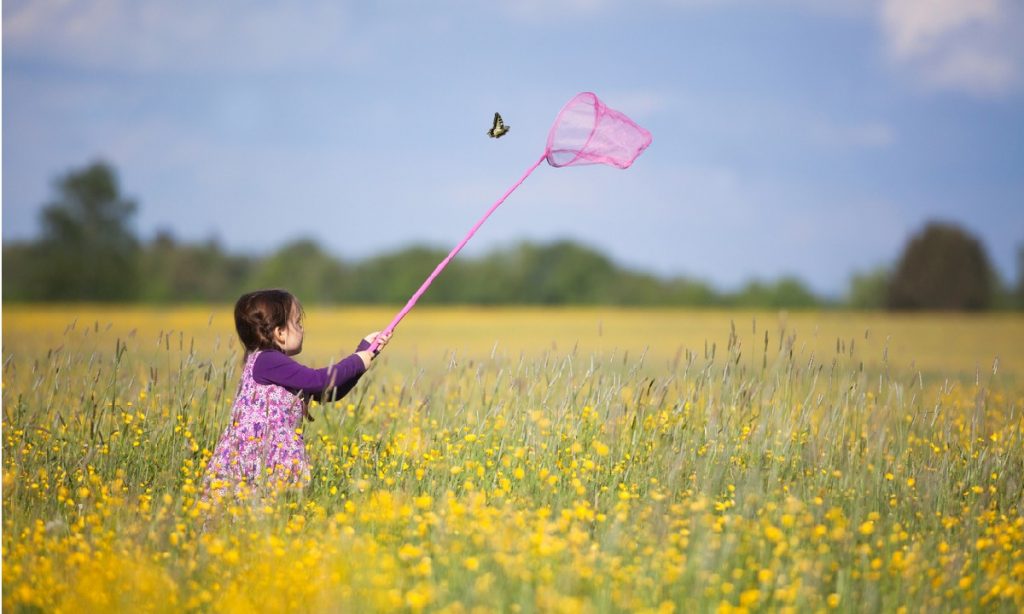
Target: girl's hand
x: 381, y: 338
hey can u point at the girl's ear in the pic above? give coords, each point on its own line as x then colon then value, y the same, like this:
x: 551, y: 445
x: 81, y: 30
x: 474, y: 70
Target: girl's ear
x: 279, y: 336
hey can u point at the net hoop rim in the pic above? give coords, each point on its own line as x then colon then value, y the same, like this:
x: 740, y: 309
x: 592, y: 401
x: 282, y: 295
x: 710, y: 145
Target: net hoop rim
x: 597, y: 105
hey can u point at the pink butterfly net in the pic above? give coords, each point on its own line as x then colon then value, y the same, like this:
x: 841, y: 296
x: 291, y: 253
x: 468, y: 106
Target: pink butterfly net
x: 588, y: 132
x: 585, y: 131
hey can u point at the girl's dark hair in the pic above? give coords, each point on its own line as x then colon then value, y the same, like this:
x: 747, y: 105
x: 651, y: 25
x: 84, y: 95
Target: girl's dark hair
x: 258, y: 313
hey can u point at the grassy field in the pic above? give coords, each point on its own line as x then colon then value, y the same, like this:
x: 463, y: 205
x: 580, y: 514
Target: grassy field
x: 527, y: 460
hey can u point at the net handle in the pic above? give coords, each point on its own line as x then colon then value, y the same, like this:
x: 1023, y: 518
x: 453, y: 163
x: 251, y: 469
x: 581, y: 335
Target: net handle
x: 440, y: 267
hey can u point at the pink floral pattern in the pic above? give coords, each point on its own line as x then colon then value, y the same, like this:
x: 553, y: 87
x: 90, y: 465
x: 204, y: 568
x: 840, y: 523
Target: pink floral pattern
x: 263, y: 444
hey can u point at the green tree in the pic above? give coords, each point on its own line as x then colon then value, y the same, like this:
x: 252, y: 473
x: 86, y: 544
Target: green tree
x: 688, y: 292
x: 868, y: 290
x: 174, y: 272
x: 1019, y: 291
x: 942, y: 268
x: 495, y: 279
x: 392, y: 278
x: 565, y: 272
x: 788, y: 292
x: 306, y: 270
x: 88, y: 250
x: 21, y: 280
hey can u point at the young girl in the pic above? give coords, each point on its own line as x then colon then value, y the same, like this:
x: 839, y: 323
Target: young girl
x: 263, y: 444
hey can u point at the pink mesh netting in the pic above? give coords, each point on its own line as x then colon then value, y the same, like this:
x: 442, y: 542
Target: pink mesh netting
x: 588, y: 132
x: 585, y: 132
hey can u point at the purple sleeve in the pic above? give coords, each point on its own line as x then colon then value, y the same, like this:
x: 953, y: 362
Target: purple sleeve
x: 330, y: 382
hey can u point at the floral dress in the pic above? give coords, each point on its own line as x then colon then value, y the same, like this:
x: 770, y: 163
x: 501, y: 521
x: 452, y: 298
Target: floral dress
x: 263, y: 444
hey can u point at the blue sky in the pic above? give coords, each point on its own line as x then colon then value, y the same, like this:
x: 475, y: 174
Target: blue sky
x: 791, y: 137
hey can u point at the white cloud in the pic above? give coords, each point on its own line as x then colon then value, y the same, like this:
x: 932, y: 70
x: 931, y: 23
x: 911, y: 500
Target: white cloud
x: 157, y: 36
x: 973, y: 46
x: 837, y: 7
x: 975, y: 70
x: 916, y: 27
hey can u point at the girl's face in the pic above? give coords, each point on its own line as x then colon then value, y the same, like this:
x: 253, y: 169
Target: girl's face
x: 289, y: 338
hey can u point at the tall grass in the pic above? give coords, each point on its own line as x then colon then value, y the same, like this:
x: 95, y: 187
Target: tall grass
x: 747, y: 473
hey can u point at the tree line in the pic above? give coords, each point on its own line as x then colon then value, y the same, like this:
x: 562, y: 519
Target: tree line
x: 87, y: 251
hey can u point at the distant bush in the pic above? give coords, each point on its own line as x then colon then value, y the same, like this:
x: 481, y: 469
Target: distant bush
x: 942, y: 268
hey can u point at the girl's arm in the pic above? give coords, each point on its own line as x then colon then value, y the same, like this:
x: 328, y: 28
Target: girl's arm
x: 330, y: 382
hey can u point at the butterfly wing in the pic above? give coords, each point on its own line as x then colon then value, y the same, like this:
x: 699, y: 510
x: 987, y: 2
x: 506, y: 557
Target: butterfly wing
x: 498, y: 128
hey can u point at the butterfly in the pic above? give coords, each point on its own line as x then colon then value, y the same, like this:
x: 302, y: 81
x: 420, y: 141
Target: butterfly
x: 499, y: 128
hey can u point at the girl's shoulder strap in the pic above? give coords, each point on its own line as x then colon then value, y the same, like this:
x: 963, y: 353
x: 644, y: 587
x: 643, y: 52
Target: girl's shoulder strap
x: 250, y: 360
